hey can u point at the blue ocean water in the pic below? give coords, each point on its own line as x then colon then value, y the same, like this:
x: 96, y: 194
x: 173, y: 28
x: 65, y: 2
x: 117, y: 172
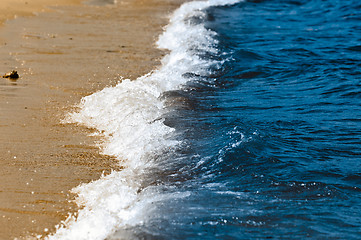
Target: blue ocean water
x: 250, y: 129
x: 272, y: 134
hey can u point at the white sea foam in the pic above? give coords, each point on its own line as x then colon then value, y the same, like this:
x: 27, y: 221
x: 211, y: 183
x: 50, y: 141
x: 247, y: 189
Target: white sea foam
x: 129, y: 116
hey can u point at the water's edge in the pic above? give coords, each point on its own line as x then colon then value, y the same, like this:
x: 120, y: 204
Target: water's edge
x: 129, y: 117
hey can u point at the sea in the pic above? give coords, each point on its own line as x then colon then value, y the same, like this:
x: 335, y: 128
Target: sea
x: 250, y: 129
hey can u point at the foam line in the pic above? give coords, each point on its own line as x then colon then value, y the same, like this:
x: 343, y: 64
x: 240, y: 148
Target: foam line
x: 129, y: 116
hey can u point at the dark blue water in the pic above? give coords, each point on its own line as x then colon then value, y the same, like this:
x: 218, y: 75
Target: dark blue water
x: 272, y: 143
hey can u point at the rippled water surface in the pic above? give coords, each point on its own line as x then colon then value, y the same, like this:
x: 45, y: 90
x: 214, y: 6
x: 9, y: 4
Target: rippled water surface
x: 251, y: 129
x: 274, y: 133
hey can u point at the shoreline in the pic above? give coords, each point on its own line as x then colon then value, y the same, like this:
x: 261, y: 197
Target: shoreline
x: 63, y: 55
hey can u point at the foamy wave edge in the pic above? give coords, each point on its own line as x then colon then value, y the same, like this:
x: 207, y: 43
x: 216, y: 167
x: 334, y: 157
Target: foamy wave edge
x: 129, y: 116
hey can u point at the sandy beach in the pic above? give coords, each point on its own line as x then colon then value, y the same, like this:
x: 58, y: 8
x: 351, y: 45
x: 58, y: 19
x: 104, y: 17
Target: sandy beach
x: 19, y: 8
x: 62, y: 53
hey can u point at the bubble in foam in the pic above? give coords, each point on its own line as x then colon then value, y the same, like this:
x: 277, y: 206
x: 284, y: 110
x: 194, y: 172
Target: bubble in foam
x: 129, y: 116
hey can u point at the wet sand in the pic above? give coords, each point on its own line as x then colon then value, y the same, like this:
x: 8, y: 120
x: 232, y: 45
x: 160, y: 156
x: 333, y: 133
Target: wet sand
x: 61, y: 56
x: 13, y: 8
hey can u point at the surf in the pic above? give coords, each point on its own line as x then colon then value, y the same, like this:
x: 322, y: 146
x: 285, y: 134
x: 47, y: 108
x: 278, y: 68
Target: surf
x: 130, y: 119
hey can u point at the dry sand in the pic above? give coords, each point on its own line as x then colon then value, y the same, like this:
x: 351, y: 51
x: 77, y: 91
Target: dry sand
x: 61, y: 56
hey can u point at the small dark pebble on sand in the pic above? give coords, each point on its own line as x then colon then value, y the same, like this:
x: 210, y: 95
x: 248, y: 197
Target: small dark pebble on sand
x: 13, y: 75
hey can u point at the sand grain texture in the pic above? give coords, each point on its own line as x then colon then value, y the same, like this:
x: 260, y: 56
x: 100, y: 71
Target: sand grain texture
x: 61, y: 56
x: 13, y: 8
